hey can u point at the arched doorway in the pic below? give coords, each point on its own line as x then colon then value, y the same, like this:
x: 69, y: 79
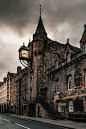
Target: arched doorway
x: 31, y: 110
x: 2, y: 108
x: 44, y: 93
x: 7, y: 108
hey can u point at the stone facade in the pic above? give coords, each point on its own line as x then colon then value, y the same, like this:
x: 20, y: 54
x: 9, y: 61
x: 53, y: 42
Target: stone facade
x: 54, y: 83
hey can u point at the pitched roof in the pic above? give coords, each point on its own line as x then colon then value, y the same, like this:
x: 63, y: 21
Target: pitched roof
x: 83, y: 39
x: 73, y: 48
x: 40, y: 30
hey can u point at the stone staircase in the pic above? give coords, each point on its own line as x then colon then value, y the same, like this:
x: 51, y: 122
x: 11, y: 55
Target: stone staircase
x: 52, y: 113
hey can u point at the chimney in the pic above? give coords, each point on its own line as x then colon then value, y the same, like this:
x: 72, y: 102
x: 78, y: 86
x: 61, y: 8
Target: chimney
x: 85, y: 27
x: 18, y: 69
x: 4, y: 79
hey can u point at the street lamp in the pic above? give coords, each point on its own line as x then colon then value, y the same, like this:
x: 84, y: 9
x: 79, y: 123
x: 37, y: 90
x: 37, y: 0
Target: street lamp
x: 25, y: 56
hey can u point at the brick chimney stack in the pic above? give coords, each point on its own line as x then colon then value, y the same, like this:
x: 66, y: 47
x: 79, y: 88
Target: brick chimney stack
x: 18, y: 69
x: 4, y: 79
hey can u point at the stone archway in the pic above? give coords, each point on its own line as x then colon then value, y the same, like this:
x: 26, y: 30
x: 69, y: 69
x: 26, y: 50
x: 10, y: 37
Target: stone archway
x: 7, y: 107
x: 2, y: 108
x: 31, y: 110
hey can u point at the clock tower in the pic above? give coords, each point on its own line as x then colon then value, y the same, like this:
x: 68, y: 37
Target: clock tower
x: 38, y: 57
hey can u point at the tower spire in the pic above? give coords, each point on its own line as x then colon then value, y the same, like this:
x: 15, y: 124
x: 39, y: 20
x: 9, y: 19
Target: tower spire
x: 40, y: 12
x: 40, y: 30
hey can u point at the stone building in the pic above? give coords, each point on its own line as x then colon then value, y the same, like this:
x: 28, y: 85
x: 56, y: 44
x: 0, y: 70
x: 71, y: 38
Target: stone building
x: 54, y: 83
x: 59, y: 75
x: 3, y: 97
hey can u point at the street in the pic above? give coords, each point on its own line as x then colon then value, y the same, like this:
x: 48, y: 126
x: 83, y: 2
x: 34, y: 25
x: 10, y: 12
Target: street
x: 7, y: 122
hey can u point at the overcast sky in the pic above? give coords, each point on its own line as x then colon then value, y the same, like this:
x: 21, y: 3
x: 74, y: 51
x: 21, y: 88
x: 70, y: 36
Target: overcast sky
x: 19, y: 18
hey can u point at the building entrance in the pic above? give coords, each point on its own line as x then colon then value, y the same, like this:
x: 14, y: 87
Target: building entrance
x: 31, y: 110
x: 44, y: 93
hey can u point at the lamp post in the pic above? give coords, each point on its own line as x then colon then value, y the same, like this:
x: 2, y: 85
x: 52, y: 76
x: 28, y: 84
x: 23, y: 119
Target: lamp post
x: 25, y: 58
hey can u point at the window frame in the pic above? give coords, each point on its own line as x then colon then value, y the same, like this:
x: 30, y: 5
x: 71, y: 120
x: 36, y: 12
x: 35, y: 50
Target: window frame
x: 84, y: 48
x: 69, y: 82
x: 59, y: 107
x: 56, y: 64
x: 68, y: 57
x: 70, y: 106
x: 57, y: 86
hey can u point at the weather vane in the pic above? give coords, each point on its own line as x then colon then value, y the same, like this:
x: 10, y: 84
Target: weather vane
x: 40, y: 11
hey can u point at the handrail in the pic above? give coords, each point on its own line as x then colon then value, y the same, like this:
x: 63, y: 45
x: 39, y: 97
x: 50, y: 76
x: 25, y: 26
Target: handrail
x: 48, y: 107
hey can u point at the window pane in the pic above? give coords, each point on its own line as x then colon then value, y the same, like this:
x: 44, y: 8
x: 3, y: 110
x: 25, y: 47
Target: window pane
x: 56, y: 64
x: 57, y: 86
x: 68, y: 57
x: 70, y: 106
x: 69, y: 83
x: 84, y: 47
x: 59, y: 107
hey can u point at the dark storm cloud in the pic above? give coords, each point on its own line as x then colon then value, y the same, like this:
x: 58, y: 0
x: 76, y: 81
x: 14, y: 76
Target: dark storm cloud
x: 17, y: 13
x: 21, y: 15
x: 72, y: 12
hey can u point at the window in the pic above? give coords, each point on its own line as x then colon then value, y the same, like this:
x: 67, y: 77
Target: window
x: 8, y: 90
x: 7, y: 97
x: 59, y: 107
x: 77, y: 81
x: 14, y: 97
x: 7, y: 82
x: 70, y: 106
x: 85, y: 78
x: 56, y: 64
x: 68, y: 57
x: 11, y: 89
x: 11, y: 81
x: 84, y: 47
x: 25, y: 107
x: 11, y: 98
x: 69, y: 83
x: 57, y: 86
x: 78, y: 78
x: 14, y: 88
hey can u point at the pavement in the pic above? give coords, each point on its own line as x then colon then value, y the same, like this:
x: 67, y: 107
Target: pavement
x: 59, y: 123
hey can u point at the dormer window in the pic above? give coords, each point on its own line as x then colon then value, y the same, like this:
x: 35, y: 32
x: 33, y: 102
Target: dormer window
x: 56, y: 64
x: 68, y: 57
x: 84, y: 48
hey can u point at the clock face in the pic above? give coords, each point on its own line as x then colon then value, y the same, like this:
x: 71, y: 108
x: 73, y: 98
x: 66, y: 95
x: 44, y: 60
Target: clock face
x: 24, y: 53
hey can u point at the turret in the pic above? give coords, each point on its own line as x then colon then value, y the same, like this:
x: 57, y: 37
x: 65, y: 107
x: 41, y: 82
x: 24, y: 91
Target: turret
x: 40, y: 31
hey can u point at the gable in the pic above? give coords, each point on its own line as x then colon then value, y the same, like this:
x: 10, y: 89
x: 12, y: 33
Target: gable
x: 83, y: 39
x: 67, y: 49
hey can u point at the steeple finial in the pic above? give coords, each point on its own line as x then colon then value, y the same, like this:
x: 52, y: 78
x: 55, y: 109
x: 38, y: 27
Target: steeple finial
x: 23, y: 44
x: 85, y: 26
x: 29, y: 40
x: 40, y: 11
x: 67, y: 41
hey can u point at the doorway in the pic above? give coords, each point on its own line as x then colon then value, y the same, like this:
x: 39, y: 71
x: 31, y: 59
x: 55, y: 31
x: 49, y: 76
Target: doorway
x: 44, y: 93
